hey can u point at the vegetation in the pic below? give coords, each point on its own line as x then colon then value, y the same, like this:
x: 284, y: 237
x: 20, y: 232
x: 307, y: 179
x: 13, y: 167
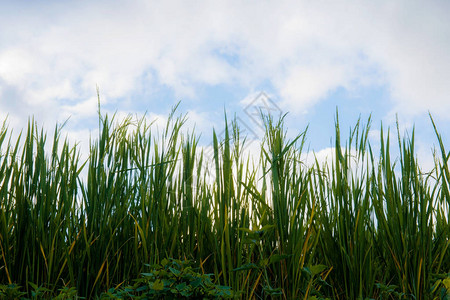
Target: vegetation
x: 365, y: 226
x: 172, y: 279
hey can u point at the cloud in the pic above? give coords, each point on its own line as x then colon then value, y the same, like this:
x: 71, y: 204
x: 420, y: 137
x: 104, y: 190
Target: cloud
x: 400, y: 45
x: 52, y: 56
x: 304, y: 86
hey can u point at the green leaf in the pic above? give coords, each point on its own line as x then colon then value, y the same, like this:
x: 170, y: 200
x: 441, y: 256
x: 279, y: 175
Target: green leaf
x: 181, y: 286
x: 264, y: 262
x: 158, y: 285
x: 277, y: 258
x: 307, y: 271
x: 164, y: 262
x: 446, y: 283
x: 317, y: 269
x: 246, y: 230
x: 176, y: 272
x: 273, y: 291
x: 196, y: 283
x: 249, y: 266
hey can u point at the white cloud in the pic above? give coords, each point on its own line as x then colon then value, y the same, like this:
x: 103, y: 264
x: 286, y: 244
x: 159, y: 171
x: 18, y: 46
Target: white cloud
x: 83, y: 109
x: 305, y: 86
x: 55, y: 52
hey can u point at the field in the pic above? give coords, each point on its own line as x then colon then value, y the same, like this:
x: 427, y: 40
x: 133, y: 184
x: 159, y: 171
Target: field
x: 366, y: 225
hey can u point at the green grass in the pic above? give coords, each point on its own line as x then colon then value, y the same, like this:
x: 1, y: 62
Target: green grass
x: 367, y: 225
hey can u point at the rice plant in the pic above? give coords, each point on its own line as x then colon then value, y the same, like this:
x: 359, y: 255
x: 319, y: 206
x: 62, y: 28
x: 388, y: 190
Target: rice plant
x: 364, y: 225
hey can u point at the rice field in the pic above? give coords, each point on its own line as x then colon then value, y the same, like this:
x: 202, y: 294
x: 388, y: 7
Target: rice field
x: 367, y: 225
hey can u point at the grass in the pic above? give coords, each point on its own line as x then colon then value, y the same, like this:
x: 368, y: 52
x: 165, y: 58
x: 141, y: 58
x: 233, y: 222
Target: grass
x: 366, y: 226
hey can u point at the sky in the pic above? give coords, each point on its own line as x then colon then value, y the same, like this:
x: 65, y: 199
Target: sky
x: 385, y: 59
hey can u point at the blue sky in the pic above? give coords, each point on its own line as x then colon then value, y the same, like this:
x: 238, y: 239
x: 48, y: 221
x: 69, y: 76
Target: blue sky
x: 384, y: 58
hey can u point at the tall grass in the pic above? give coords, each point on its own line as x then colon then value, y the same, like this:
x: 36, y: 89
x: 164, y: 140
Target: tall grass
x: 365, y: 225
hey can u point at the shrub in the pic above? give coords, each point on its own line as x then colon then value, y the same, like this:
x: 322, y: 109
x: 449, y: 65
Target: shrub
x: 172, y: 279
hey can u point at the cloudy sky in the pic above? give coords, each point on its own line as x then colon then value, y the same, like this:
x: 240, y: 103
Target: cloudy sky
x: 384, y: 58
